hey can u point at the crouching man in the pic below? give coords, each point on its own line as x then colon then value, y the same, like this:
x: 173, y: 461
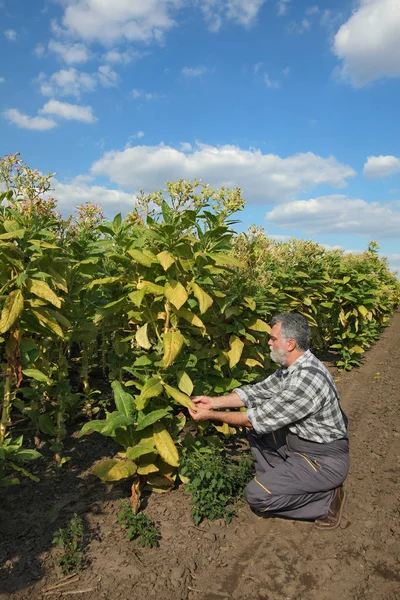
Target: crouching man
x: 298, y: 432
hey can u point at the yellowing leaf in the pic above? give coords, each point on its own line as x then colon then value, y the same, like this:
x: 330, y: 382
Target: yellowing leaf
x: 179, y: 396
x: 147, y: 468
x: 151, y: 389
x: 165, y: 444
x: 48, y: 321
x: 236, y: 350
x: 363, y: 311
x: 185, y: 384
x: 259, y: 325
x: 166, y: 259
x: 356, y: 350
x: 226, y: 259
x: 189, y: 316
x: 122, y: 470
x: 143, y: 259
x: 41, y: 289
x: 12, y: 309
x: 175, y: 293
x: 173, y: 342
x: 224, y: 428
x: 101, y: 470
x: 204, y: 300
x: 252, y: 362
x: 250, y: 302
x: 159, y: 484
x: 142, y: 337
x: 151, y: 288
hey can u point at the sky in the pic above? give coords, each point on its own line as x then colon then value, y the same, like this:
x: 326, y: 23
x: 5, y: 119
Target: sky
x: 296, y: 103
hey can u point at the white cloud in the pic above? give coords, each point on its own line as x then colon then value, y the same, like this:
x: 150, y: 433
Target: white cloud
x: 70, y: 53
x: 11, y: 35
x: 283, y: 7
x: 241, y: 12
x: 381, y: 166
x: 394, y: 261
x: 300, y: 27
x: 286, y: 71
x: 257, y: 67
x: 105, y: 22
x: 271, y: 84
x: 141, y: 94
x: 108, y: 77
x: 338, y: 214
x: 40, y: 50
x: 70, y: 195
x: 115, y: 56
x: 264, y: 178
x: 367, y: 43
x: 25, y: 122
x: 67, y: 82
x: 313, y: 10
x: 73, y: 112
x: 2, y: 80
x: 194, y: 71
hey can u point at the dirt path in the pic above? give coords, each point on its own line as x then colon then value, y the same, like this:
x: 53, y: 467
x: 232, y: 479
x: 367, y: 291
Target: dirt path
x: 251, y: 559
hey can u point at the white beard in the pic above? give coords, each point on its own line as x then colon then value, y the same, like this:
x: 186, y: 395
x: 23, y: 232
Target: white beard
x: 279, y: 356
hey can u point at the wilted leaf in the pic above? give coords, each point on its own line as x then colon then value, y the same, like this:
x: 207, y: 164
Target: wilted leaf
x: 41, y: 289
x: 142, y: 337
x: 204, y: 300
x: 12, y: 309
x: 173, y: 342
x: 175, y: 293
x: 135, y: 496
x: 252, y: 362
x: 165, y: 444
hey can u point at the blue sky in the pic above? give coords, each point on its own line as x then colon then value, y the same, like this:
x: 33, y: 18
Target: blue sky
x: 296, y: 103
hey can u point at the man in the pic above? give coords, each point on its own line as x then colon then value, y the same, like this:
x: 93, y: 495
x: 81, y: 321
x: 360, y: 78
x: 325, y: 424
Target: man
x: 298, y: 432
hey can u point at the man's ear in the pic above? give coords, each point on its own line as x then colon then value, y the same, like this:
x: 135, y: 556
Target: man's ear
x: 291, y: 345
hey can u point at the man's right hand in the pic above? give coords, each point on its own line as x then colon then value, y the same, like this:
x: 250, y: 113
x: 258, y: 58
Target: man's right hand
x: 203, y: 402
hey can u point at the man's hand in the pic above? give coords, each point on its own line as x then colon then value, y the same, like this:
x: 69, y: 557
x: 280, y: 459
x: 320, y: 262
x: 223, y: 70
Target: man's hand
x: 201, y: 414
x: 203, y: 402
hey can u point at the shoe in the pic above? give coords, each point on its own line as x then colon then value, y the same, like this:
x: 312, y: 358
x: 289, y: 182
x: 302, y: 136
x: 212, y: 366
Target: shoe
x: 332, y: 519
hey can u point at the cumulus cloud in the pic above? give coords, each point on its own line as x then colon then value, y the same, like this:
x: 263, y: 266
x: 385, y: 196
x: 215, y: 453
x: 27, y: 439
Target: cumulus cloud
x: 67, y: 82
x: 70, y: 53
x: 194, y: 71
x: 338, y: 214
x: 283, y: 7
x: 381, y: 166
x: 264, y: 178
x: 367, y: 44
x: 116, y: 56
x: 11, y: 35
x: 70, y: 195
x: 40, y: 50
x: 241, y: 12
x: 73, y: 112
x: 2, y: 80
x: 142, y: 95
x: 25, y: 122
x: 108, y: 77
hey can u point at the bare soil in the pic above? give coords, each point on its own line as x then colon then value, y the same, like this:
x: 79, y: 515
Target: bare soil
x: 250, y: 559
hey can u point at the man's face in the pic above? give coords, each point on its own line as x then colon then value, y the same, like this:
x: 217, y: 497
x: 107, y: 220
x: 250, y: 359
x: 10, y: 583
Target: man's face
x: 278, y: 347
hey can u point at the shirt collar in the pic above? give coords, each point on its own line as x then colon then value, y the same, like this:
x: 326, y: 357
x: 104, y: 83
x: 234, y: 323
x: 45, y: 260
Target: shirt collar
x: 298, y: 362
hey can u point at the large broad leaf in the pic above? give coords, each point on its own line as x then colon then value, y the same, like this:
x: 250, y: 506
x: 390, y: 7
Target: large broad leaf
x: 143, y: 259
x: 173, y: 343
x: 362, y: 310
x: 135, y: 452
x: 226, y: 259
x: 142, y: 337
x: 103, y: 281
x: 151, y: 288
x: 12, y: 309
x: 258, y: 325
x: 180, y: 397
x: 108, y: 426
x: 47, y: 320
x: 13, y: 234
x: 175, y: 293
x: 47, y: 425
x: 204, y: 300
x: 41, y: 289
x: 114, y: 470
x: 165, y: 444
x: 123, y: 401
x: 151, y: 389
x: 185, y: 384
x: 189, y: 316
x: 151, y: 418
x: 236, y: 350
x: 166, y: 259
x: 37, y: 375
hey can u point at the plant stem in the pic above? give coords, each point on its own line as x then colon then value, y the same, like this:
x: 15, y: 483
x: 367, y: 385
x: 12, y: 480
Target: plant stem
x: 6, y: 412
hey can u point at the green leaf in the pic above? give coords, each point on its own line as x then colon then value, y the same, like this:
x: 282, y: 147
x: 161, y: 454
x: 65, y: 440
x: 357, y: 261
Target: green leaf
x: 151, y: 418
x: 363, y: 311
x: 108, y: 426
x: 175, y: 293
x: 235, y: 352
x: 47, y: 320
x: 123, y: 401
x: 258, y: 325
x: 37, y: 375
x: 12, y: 309
x: 142, y: 337
x: 226, y: 259
x: 189, y: 316
x: 204, y: 300
x: 165, y: 444
x: 151, y: 389
x: 47, y: 425
x: 166, y: 259
x: 135, y: 452
x: 185, y: 384
x: 147, y: 260
x: 103, y: 281
x: 41, y: 289
x: 151, y: 288
x: 173, y: 343
x: 180, y: 397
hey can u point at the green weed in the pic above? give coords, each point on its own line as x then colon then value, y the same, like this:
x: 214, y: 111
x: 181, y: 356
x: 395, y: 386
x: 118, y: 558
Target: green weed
x: 139, y: 527
x: 71, y: 556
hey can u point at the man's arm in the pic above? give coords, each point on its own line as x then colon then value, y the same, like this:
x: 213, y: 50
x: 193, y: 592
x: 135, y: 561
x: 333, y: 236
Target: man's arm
x: 209, y: 402
x: 237, y: 419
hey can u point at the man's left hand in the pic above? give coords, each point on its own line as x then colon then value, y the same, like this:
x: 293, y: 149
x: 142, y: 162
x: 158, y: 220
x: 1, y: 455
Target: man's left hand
x: 201, y: 414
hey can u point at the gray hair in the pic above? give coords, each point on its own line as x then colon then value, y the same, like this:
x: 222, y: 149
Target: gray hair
x: 294, y: 327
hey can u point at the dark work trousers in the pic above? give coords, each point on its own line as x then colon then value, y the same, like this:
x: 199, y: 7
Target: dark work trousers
x: 295, y: 478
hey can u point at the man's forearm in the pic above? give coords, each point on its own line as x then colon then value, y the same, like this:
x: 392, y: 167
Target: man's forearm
x: 230, y: 401
x: 238, y: 419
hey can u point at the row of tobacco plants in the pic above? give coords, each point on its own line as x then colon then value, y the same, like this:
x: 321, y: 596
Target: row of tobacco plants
x: 115, y: 325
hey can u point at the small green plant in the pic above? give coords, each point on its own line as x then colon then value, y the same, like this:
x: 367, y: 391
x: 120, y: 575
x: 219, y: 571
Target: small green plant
x: 139, y: 527
x: 216, y: 481
x: 71, y: 556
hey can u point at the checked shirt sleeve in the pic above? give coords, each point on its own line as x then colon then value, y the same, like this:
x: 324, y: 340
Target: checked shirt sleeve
x: 274, y: 403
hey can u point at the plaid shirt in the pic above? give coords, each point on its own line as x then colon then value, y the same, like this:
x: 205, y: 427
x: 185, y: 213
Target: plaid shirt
x: 302, y: 397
